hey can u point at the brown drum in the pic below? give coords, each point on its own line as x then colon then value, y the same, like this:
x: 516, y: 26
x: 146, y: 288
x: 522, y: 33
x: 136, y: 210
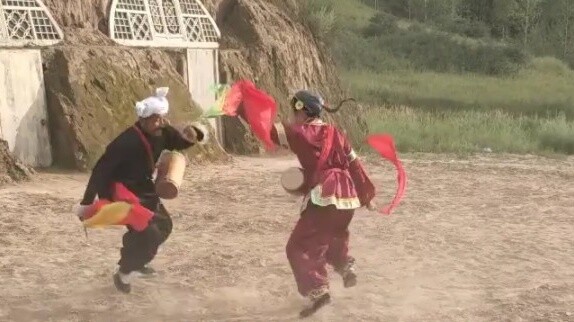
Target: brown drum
x: 170, y: 171
x: 293, y: 180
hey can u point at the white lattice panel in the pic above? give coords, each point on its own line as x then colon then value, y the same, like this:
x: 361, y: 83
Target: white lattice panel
x: 162, y: 23
x: 26, y: 23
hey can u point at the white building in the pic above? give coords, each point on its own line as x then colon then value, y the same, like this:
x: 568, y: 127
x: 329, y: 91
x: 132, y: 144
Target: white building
x: 184, y: 24
x: 25, y: 27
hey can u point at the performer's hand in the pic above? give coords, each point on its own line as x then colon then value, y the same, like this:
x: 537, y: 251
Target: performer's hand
x: 80, y: 211
x: 189, y: 133
x: 165, y: 121
x: 371, y: 206
x: 241, y: 113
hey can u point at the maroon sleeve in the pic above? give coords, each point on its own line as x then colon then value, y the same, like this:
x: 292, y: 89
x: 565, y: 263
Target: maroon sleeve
x: 365, y: 188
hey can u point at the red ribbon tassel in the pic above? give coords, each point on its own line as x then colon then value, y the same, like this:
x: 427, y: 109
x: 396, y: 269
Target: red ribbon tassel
x: 232, y: 100
x: 259, y: 110
x: 138, y: 216
x: 385, y: 146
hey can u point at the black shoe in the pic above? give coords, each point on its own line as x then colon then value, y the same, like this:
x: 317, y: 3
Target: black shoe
x: 120, y: 285
x: 147, y: 271
x: 347, y: 272
x: 317, y: 304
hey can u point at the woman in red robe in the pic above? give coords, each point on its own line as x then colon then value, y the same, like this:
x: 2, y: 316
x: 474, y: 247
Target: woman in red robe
x: 336, y: 184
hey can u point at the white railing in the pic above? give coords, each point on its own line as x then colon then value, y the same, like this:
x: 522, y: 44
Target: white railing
x: 163, y: 23
x: 27, y: 23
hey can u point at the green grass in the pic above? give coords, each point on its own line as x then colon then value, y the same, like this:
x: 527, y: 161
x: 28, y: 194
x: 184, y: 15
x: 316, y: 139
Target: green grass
x: 329, y: 18
x: 532, y: 92
x: 351, y: 13
x: 472, y: 131
x: 528, y: 112
x: 448, y: 113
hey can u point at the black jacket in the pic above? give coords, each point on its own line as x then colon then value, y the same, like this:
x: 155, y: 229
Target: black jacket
x: 126, y: 160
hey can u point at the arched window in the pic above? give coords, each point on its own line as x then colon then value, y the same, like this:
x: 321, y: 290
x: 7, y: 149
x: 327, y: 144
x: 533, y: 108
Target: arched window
x: 163, y: 23
x: 27, y: 23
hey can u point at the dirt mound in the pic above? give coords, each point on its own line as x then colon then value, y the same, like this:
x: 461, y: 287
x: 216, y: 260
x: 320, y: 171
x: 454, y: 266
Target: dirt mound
x: 262, y: 40
x: 11, y: 170
x: 74, y: 15
x: 269, y: 45
x: 92, y: 85
x: 91, y: 94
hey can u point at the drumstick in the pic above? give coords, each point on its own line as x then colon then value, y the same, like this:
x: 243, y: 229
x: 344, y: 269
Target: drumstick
x: 245, y: 124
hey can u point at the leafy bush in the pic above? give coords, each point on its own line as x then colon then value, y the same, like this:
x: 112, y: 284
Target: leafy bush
x: 557, y: 136
x: 465, y: 27
x: 433, y: 51
x: 550, y: 65
x: 369, y: 56
x: 381, y: 24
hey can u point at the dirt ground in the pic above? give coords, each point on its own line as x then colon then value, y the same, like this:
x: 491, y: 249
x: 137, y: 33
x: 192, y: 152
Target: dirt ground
x: 484, y: 239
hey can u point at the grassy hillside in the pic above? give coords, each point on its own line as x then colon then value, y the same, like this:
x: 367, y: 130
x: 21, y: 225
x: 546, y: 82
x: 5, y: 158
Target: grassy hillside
x: 441, y: 91
x: 533, y: 92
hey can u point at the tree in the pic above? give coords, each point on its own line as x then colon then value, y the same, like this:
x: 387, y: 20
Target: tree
x: 452, y: 7
x: 481, y: 10
x: 556, y: 28
x: 402, y: 8
x: 527, y: 12
x: 502, y: 12
x: 567, y: 24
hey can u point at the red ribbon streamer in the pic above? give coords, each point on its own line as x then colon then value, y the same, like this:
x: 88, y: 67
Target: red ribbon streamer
x: 138, y: 217
x: 385, y: 146
x: 255, y: 106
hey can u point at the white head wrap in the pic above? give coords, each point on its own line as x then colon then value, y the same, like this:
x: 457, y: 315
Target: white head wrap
x: 157, y: 104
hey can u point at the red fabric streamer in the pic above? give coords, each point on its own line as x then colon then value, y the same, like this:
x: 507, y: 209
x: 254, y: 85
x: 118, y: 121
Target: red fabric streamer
x: 138, y: 216
x: 258, y: 109
x: 232, y: 100
x: 254, y: 106
x: 385, y: 146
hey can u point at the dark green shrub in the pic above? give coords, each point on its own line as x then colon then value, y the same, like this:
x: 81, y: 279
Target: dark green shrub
x: 381, y: 24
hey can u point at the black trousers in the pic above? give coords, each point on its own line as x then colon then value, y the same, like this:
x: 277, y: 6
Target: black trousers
x: 140, y: 248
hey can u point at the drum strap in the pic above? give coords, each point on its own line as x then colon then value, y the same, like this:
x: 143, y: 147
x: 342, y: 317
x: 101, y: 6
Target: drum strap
x: 147, y: 147
x: 281, y: 135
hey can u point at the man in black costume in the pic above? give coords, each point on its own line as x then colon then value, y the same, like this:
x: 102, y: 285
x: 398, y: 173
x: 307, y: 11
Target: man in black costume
x: 130, y: 160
